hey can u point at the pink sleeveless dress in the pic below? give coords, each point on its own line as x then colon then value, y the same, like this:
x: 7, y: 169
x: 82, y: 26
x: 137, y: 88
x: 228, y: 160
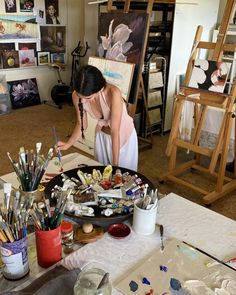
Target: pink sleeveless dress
x: 128, y: 157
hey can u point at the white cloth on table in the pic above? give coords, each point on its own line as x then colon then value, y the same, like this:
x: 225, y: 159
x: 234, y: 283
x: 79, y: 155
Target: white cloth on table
x: 128, y: 153
x: 181, y: 219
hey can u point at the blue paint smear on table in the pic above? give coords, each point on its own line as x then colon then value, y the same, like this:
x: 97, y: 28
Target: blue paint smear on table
x: 175, y: 284
x: 163, y: 268
x: 133, y: 286
x: 146, y: 281
x: 176, y: 288
x: 190, y: 252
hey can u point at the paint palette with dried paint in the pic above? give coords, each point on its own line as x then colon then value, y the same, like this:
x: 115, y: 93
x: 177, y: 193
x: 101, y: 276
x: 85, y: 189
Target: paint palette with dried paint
x: 173, y: 271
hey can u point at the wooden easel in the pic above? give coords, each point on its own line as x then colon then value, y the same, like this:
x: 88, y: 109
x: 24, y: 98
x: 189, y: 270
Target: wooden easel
x: 132, y: 107
x: 205, y: 100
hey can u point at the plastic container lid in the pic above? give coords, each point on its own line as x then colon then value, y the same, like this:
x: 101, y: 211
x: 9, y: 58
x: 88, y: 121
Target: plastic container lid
x: 66, y: 226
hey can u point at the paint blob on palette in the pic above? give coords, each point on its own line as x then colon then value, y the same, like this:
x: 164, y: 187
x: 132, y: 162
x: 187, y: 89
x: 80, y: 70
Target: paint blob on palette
x: 171, y: 272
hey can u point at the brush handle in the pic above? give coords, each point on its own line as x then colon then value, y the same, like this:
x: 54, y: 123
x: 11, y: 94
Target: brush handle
x: 161, y: 230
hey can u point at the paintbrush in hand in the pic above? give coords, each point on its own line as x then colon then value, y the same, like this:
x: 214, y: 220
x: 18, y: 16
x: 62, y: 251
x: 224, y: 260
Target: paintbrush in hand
x: 58, y: 150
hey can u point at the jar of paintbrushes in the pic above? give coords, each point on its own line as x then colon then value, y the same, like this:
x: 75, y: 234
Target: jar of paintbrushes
x: 48, y: 230
x: 14, y: 216
x: 30, y: 169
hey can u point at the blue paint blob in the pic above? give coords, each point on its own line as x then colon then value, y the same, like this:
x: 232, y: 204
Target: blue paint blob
x: 175, y: 284
x: 146, y: 281
x: 163, y: 268
x: 133, y: 286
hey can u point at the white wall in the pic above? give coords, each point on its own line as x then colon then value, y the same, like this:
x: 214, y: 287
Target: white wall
x: 187, y: 18
x: 72, y: 16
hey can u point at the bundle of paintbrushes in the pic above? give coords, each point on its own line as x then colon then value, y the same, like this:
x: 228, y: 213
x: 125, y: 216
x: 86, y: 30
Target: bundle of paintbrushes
x: 13, y: 215
x: 41, y: 213
x: 31, y: 167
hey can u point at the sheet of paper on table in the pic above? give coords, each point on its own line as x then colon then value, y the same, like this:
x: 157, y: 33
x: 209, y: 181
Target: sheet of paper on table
x: 174, y: 269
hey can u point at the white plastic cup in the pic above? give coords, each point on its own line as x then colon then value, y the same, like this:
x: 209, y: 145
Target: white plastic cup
x: 144, y: 220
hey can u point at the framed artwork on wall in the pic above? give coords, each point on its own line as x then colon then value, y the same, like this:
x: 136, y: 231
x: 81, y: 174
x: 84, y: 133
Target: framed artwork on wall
x: 52, y: 12
x: 26, y: 6
x: 43, y: 58
x: 10, y: 6
x: 10, y: 59
x: 53, y: 38
x: 27, y: 58
x: 58, y: 58
x: 24, y: 93
x: 18, y: 30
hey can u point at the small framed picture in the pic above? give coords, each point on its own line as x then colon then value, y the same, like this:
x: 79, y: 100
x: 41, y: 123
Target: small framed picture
x: 43, y: 58
x: 58, y: 57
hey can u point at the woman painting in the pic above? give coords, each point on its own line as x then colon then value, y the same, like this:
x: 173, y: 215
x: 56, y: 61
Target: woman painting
x: 116, y: 139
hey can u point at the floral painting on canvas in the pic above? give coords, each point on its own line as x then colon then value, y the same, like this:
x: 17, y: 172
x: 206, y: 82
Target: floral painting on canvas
x: 24, y: 93
x: 121, y: 37
x: 209, y: 75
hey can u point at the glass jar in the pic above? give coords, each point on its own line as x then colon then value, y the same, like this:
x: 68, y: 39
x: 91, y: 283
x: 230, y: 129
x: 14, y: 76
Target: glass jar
x: 88, y: 282
x: 67, y: 236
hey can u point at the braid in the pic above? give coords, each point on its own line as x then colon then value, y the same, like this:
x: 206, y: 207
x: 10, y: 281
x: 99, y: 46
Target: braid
x: 81, y: 108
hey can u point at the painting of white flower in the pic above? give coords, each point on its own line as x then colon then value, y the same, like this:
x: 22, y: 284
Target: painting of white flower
x: 24, y: 93
x: 121, y: 37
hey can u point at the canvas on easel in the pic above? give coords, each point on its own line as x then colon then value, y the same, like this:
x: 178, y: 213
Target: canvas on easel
x: 117, y: 73
x: 121, y: 37
x: 204, y: 99
x: 210, y: 75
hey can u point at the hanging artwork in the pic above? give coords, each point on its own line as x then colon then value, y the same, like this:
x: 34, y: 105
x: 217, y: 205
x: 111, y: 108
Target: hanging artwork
x: 27, y: 58
x: 58, y: 58
x: 7, y: 46
x: 5, y: 103
x: 52, y: 12
x: 18, y: 30
x: 43, y: 58
x: 121, y: 37
x: 18, y: 18
x: 209, y: 75
x: 27, y: 46
x: 10, y: 59
x: 53, y: 38
x: 24, y: 93
x: 10, y: 6
x: 26, y: 5
x: 117, y: 73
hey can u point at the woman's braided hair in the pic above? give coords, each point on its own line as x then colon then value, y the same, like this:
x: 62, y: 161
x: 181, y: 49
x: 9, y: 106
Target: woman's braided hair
x: 87, y: 81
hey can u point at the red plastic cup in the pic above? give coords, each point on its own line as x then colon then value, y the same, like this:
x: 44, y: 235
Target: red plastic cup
x: 48, y: 245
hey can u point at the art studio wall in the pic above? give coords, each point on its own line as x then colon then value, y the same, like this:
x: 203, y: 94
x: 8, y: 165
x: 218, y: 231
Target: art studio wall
x: 71, y: 16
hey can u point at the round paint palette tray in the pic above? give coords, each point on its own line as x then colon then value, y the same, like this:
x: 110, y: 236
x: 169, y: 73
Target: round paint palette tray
x: 98, y: 219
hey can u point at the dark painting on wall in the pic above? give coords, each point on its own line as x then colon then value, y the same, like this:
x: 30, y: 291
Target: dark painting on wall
x: 10, y: 59
x: 27, y: 46
x: 52, y: 12
x: 53, y: 38
x: 10, y: 6
x: 26, y: 5
x: 209, y: 75
x: 7, y: 46
x: 121, y: 37
x: 24, y: 93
